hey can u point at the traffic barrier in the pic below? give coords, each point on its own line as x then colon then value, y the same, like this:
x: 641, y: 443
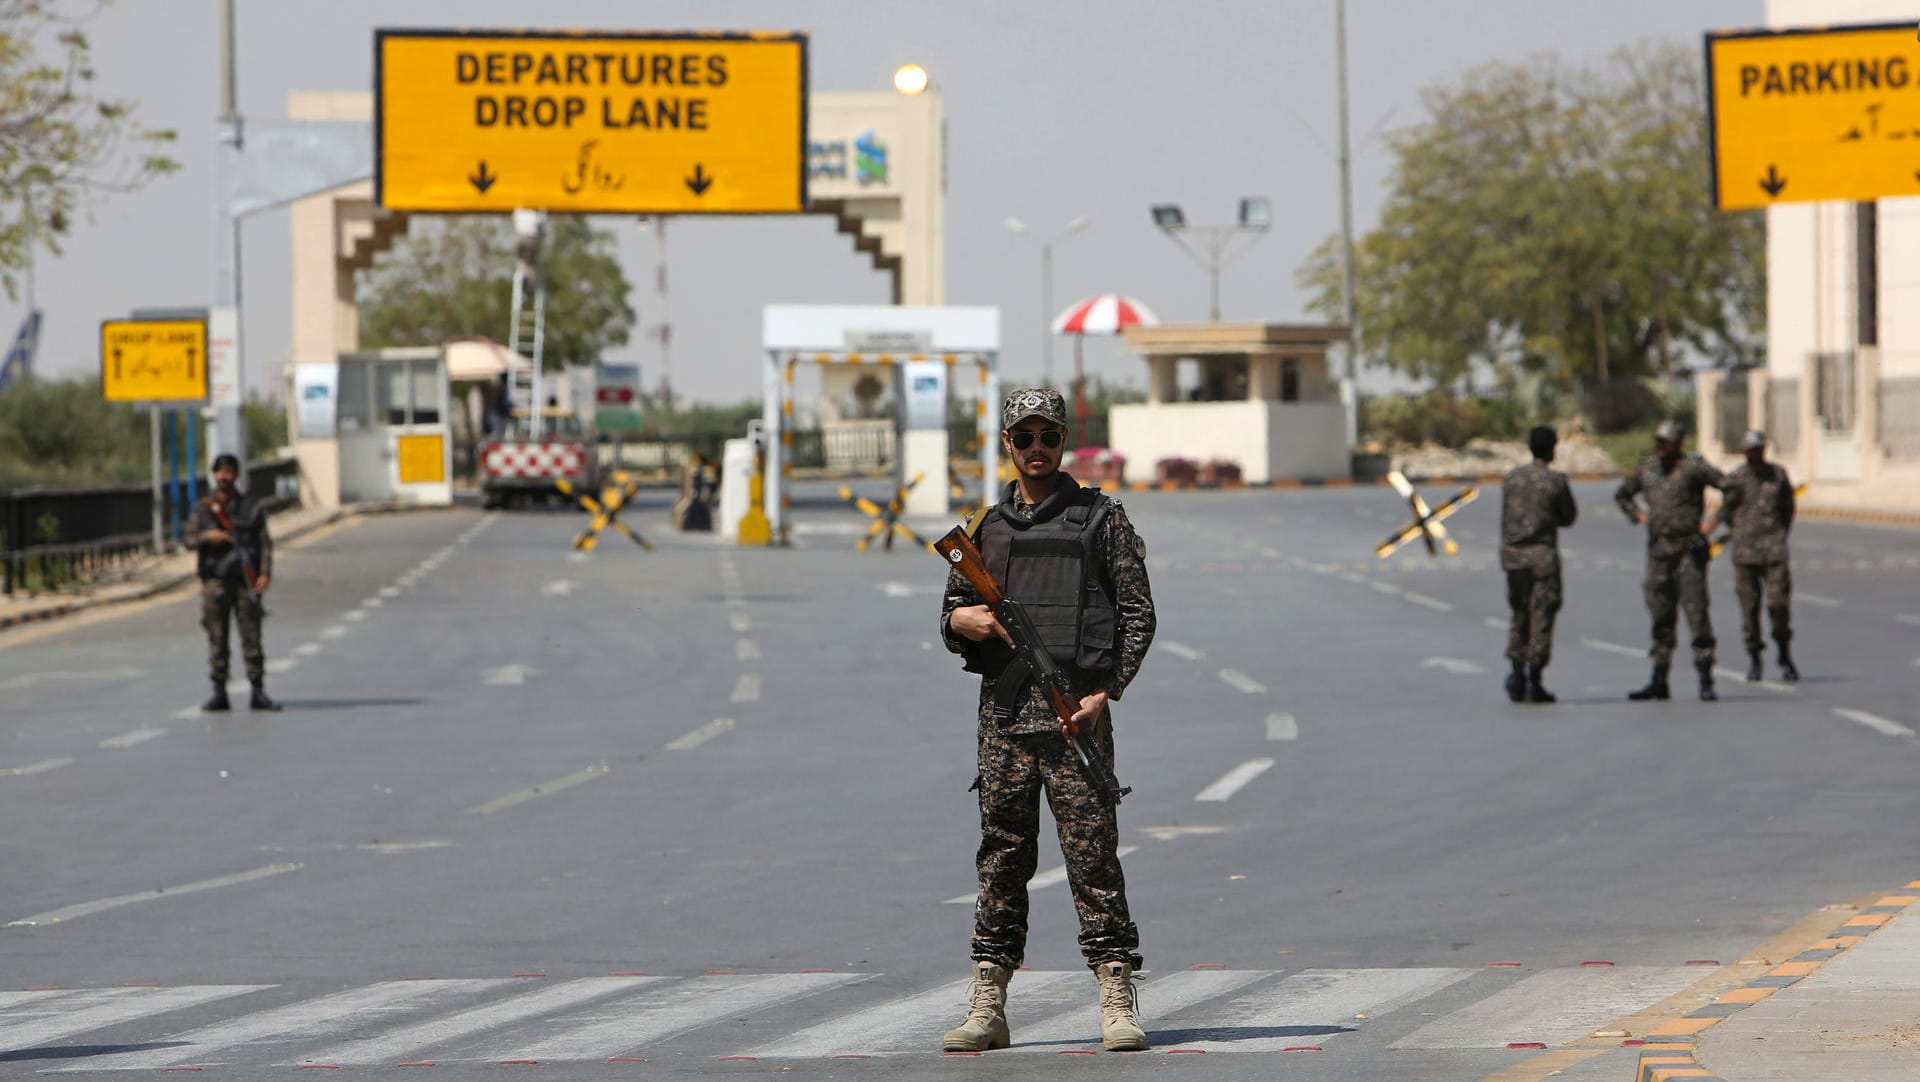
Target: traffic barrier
x: 605, y: 510
x: 886, y: 520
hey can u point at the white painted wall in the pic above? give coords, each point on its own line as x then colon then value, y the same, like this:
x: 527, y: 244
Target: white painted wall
x: 1269, y: 440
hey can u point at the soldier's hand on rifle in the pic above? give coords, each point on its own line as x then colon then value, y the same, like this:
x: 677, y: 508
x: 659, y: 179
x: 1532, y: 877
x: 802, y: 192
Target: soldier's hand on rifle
x: 260, y: 584
x: 1091, y: 708
x: 976, y: 622
x: 1640, y: 517
x: 216, y: 537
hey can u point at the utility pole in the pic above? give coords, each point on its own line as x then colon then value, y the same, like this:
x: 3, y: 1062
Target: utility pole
x: 229, y: 432
x: 1352, y: 394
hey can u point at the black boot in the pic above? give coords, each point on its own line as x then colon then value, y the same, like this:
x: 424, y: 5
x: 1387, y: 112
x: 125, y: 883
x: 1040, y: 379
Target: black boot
x: 260, y: 700
x: 1517, y: 683
x: 218, y: 704
x: 1787, y: 671
x: 1656, y: 688
x: 1535, y: 692
x: 1755, y: 672
x: 1707, y: 694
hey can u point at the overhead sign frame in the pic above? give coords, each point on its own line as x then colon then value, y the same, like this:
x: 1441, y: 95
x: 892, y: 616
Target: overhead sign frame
x: 178, y: 375
x: 548, y: 142
x: 1808, y: 114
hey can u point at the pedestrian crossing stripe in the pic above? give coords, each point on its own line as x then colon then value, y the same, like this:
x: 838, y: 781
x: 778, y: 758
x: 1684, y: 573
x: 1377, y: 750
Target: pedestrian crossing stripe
x: 624, y: 1015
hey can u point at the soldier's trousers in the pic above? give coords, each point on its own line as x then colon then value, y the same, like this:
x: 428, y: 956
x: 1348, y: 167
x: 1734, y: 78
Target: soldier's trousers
x: 1013, y: 772
x: 1534, y: 600
x: 220, y: 598
x: 1679, y: 583
x: 1776, y: 581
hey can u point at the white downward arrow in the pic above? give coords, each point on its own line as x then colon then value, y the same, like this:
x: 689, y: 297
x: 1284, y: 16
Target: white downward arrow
x: 1453, y: 665
x: 509, y: 674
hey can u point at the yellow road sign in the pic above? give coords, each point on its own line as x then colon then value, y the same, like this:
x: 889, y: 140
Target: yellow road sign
x: 153, y: 360
x: 1823, y: 113
x: 591, y: 122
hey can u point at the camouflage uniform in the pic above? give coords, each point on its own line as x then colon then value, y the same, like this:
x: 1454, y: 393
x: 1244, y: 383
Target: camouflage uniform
x: 1018, y: 760
x: 1676, y: 553
x: 1759, y: 511
x: 1535, y: 505
x: 223, y: 589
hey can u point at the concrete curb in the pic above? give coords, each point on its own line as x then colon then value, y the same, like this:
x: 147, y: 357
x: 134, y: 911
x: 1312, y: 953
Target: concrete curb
x: 1671, y: 1053
x: 159, y: 585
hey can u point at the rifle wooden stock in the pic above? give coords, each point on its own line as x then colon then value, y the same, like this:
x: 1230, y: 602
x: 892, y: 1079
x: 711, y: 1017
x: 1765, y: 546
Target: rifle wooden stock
x: 249, y: 569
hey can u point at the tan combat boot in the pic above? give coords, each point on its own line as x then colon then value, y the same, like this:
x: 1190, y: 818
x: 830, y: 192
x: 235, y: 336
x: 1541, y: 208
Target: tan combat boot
x: 1119, y: 1028
x: 985, y: 1026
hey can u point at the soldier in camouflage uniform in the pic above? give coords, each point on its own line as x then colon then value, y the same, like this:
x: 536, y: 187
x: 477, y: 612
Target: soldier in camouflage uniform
x: 1536, y: 503
x: 224, y: 590
x: 1759, y: 511
x: 1675, y: 485
x: 1072, y: 557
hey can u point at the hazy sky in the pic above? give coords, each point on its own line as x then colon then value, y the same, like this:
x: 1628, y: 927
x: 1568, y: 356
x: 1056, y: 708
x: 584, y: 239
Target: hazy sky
x: 1056, y: 108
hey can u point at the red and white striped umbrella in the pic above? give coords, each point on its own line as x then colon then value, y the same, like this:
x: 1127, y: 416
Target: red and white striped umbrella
x: 1107, y: 313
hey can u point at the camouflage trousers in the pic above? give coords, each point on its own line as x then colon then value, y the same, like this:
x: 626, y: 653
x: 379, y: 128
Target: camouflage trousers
x: 1776, y: 581
x: 1676, y: 583
x: 218, y: 599
x: 1534, y: 600
x: 1013, y: 771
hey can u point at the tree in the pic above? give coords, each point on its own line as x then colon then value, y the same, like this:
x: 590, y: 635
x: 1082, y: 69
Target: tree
x: 62, y: 148
x: 1557, y: 220
x: 454, y: 276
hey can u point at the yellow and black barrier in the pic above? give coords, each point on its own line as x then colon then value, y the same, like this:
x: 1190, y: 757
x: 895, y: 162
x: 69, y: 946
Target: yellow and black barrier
x: 1428, y: 524
x: 614, y: 496
x: 886, y: 520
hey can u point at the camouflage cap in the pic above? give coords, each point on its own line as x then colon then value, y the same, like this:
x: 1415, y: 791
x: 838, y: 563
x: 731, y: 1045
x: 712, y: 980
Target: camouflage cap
x: 1034, y: 402
x: 1753, y: 439
x: 1670, y: 430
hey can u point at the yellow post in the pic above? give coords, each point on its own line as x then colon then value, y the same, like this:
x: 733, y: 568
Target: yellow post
x: 754, y: 527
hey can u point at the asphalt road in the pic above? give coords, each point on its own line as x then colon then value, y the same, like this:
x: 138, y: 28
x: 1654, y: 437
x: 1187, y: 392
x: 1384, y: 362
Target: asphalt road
x: 709, y: 802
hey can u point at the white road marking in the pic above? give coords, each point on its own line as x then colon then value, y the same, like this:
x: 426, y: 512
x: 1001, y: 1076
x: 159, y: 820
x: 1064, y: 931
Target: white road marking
x: 281, y: 664
x: 1167, y: 834
x: 1765, y: 685
x: 371, y: 602
x: 1614, y: 648
x: 389, y: 592
x: 1497, y: 624
x: 508, y: 675
x: 43, y: 765
x: 1874, y: 721
x: 558, y: 588
x: 746, y: 689
x: 741, y: 624
x: 1282, y: 727
x: 306, y: 649
x: 186, y: 712
x: 406, y: 1041
x: 1908, y: 618
x: 303, y: 1021
x: 1433, y: 603
x: 1554, y: 1007
x: 1172, y: 993
x: 1233, y: 781
x: 648, y: 1018
x: 511, y: 800
x: 127, y: 740
x: 903, y: 589
x: 83, y: 909
x: 1385, y: 587
x: 1454, y: 666
x: 1051, y: 877
x: 1321, y: 999
x: 1347, y: 576
x: 579, y: 557
x: 701, y: 735
x: 914, y: 1022
x: 1242, y: 682
x: 27, y: 680
x: 1179, y: 649
x: 1818, y: 599
x: 354, y: 616
x: 333, y: 631
x: 63, y: 1014
x: 746, y: 650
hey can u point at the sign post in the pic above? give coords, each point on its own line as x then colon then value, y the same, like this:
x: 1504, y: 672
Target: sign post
x: 1824, y: 113
x: 160, y: 363
x: 590, y: 123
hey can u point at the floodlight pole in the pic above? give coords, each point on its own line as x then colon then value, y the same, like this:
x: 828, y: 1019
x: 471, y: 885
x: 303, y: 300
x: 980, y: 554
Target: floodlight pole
x: 1214, y: 239
x: 229, y: 433
x: 1352, y: 394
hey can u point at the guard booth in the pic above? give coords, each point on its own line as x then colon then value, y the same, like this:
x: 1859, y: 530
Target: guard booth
x: 375, y: 427
x: 922, y: 347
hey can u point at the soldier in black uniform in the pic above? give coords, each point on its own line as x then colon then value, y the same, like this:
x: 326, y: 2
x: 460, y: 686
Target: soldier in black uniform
x: 1675, y: 485
x: 234, y: 572
x: 1070, y: 555
x: 1536, y: 503
x: 1758, y: 510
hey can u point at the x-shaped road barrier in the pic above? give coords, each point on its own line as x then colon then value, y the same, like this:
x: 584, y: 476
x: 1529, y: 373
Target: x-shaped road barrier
x: 1426, y: 523
x: 606, y: 510
x: 886, y: 520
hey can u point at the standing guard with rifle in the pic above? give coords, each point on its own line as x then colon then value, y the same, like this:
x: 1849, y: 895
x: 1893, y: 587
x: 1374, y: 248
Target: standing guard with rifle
x: 229, y: 531
x: 1064, y: 640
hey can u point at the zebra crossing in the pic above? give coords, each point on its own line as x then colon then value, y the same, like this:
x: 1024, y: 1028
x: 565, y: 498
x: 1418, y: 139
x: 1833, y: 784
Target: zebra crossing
x: 632, y: 1015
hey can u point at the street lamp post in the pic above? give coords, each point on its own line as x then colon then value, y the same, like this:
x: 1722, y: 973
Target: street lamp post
x: 1256, y: 217
x: 1019, y: 228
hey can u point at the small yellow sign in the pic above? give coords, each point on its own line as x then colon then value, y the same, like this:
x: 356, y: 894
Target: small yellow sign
x: 591, y: 122
x: 1823, y: 113
x: 153, y: 360
x: 422, y: 459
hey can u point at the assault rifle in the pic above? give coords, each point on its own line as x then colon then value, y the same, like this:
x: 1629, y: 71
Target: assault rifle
x: 1031, y: 654
x: 242, y: 551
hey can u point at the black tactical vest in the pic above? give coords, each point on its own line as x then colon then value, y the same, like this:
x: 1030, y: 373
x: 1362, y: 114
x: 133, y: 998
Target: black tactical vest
x: 1051, y: 565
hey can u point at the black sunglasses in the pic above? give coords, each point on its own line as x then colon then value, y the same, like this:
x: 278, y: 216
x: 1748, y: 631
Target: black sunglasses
x: 1052, y: 437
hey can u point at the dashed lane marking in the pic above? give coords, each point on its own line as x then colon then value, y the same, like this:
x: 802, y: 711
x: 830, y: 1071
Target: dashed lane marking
x: 306, y: 649
x: 1240, y: 681
x: 127, y: 740
x: 27, y: 680
x: 701, y: 735
x: 1818, y: 599
x: 1454, y: 666
x: 740, y: 622
x: 1233, y: 781
x: 1908, y: 618
x: 1497, y: 624
x: 1386, y: 587
x: 333, y: 631
x: 1765, y: 685
x: 1282, y: 727
x: 1873, y: 721
x: 1433, y: 603
x: 1180, y: 649
x: 511, y: 800
x: 1614, y: 648
x: 746, y: 689
x: 83, y: 909
x: 746, y: 650
x: 280, y: 665
x: 40, y: 767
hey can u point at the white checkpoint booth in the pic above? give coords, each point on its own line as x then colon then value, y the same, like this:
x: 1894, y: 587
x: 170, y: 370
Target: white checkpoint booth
x: 900, y: 337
